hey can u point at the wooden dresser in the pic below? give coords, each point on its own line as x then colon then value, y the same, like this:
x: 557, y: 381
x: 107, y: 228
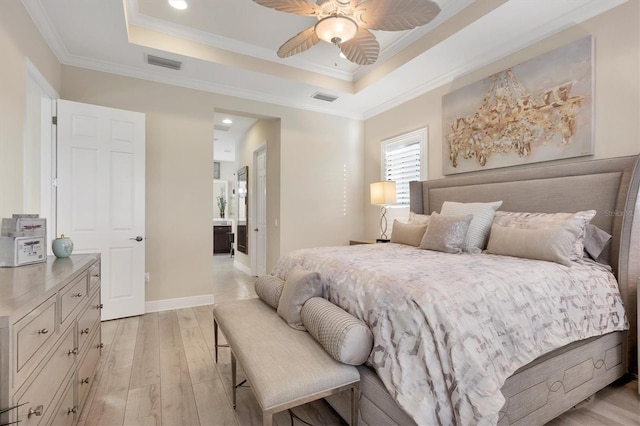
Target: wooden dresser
x: 50, y: 340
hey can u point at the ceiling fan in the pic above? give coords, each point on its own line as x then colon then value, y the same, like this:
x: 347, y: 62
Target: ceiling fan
x: 346, y: 23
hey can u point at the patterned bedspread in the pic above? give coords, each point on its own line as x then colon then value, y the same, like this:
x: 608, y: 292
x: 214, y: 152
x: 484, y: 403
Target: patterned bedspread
x: 449, y: 329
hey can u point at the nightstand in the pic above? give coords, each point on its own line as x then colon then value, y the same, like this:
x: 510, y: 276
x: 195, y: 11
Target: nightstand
x: 356, y: 242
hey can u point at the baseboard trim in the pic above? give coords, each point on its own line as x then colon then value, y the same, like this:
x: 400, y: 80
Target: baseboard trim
x: 244, y: 268
x: 178, y: 303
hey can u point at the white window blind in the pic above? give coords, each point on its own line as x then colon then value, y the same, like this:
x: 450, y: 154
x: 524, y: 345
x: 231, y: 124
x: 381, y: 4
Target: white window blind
x: 402, y: 159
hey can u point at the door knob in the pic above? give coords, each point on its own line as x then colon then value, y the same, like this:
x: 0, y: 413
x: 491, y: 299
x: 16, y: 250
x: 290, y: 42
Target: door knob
x: 138, y: 238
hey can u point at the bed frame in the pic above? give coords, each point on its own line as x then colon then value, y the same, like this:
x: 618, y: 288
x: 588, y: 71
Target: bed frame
x: 555, y: 382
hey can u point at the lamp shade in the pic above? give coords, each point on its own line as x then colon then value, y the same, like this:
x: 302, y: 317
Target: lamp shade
x: 383, y: 193
x: 336, y: 29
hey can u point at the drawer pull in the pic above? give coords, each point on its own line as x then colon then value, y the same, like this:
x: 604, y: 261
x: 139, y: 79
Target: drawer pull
x: 84, y: 381
x: 100, y: 306
x: 73, y: 351
x: 96, y: 275
x: 72, y: 410
x: 85, y: 331
x: 100, y: 345
x: 36, y: 412
x: 76, y: 295
x: 43, y: 331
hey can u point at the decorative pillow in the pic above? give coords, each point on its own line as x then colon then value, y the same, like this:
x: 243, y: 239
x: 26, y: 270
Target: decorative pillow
x: 576, y: 222
x: 480, y: 226
x: 407, y: 233
x: 553, y: 244
x: 418, y: 219
x: 269, y: 288
x: 300, y: 286
x: 595, y: 242
x: 343, y: 336
x: 446, y: 233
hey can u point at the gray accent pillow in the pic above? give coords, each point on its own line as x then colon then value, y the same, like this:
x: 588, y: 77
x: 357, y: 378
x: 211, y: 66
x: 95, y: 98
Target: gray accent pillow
x: 550, y: 244
x: 343, y: 336
x: 595, y: 242
x: 269, y: 289
x: 478, y: 233
x: 446, y: 233
x: 407, y: 233
x: 300, y: 286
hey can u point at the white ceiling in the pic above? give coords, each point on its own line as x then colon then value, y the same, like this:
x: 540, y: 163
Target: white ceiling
x: 229, y: 47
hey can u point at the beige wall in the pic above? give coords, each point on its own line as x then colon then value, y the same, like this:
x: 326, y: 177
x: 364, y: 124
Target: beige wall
x: 313, y: 148
x: 19, y: 38
x: 617, y: 96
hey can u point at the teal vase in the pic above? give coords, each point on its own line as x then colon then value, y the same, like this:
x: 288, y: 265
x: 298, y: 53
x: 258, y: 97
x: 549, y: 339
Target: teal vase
x: 62, y: 247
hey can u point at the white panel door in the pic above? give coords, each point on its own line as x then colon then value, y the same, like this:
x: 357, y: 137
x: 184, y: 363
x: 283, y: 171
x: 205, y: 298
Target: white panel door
x: 260, y: 252
x: 101, y: 205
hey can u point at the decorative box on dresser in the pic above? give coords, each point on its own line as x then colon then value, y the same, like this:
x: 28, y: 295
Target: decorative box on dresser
x: 50, y: 340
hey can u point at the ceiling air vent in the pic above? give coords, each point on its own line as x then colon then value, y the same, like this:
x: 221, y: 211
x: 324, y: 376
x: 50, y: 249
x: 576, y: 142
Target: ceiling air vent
x: 324, y: 97
x: 164, y: 62
x: 221, y: 128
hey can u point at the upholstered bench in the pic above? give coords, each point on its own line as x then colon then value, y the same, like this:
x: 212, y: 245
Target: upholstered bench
x: 285, y: 367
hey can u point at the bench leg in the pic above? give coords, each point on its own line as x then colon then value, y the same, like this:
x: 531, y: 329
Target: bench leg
x: 355, y: 404
x: 267, y: 418
x: 233, y: 380
x: 215, y: 337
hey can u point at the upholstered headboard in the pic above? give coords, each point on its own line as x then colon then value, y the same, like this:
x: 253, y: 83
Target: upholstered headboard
x: 609, y: 186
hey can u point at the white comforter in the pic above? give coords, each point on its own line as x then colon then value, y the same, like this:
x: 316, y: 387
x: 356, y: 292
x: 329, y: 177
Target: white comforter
x: 449, y: 329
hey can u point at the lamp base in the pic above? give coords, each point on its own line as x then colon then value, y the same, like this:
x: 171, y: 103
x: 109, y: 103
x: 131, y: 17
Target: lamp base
x: 382, y: 240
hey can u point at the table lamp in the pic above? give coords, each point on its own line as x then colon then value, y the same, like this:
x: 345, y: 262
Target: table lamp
x: 383, y: 194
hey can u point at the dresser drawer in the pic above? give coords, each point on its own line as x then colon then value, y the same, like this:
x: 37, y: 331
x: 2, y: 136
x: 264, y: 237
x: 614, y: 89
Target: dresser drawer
x: 89, y: 321
x: 38, y: 395
x: 94, y: 276
x: 72, y: 296
x: 87, y: 368
x: 32, y: 332
x: 65, y: 412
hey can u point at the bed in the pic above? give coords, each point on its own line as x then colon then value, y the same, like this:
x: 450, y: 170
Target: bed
x: 531, y: 389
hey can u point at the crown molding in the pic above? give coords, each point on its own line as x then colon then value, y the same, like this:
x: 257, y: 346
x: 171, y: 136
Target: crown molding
x: 41, y: 20
x: 205, y: 86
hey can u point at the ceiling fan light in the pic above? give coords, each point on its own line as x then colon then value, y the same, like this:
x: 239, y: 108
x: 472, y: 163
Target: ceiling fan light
x: 336, y: 29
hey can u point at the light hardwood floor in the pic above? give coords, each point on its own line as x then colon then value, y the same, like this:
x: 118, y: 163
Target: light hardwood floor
x: 159, y: 369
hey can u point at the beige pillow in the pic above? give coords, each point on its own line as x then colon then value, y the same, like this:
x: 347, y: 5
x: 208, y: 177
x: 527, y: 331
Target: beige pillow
x: 407, y: 233
x: 574, y: 222
x: 343, y: 336
x: 551, y: 244
x: 269, y: 289
x: 478, y: 233
x: 418, y: 219
x: 300, y: 286
x: 446, y: 233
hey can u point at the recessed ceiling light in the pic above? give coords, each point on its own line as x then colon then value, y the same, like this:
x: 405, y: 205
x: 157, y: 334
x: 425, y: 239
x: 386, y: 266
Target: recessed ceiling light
x: 178, y: 4
x: 227, y: 121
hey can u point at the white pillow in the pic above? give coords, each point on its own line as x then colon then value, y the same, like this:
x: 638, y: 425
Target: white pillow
x: 418, y: 219
x: 478, y: 232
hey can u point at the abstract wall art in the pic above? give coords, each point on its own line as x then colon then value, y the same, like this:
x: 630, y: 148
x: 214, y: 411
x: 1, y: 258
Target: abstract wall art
x: 539, y: 110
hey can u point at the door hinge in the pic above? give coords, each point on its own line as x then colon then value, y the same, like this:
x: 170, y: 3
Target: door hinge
x: 54, y: 120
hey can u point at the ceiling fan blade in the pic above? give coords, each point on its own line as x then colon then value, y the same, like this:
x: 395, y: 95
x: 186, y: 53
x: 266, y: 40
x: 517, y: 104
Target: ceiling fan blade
x: 363, y: 49
x: 396, y: 15
x: 299, y: 7
x: 299, y: 43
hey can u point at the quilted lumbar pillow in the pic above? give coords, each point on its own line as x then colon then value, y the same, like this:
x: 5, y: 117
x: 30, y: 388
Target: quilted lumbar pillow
x: 300, y: 286
x: 478, y: 232
x: 269, y: 288
x: 343, y: 336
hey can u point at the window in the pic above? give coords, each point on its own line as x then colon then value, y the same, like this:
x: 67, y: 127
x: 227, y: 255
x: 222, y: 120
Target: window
x: 404, y: 160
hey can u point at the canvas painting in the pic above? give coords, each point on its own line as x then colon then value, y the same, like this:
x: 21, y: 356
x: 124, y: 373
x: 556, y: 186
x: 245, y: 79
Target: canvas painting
x: 537, y: 111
